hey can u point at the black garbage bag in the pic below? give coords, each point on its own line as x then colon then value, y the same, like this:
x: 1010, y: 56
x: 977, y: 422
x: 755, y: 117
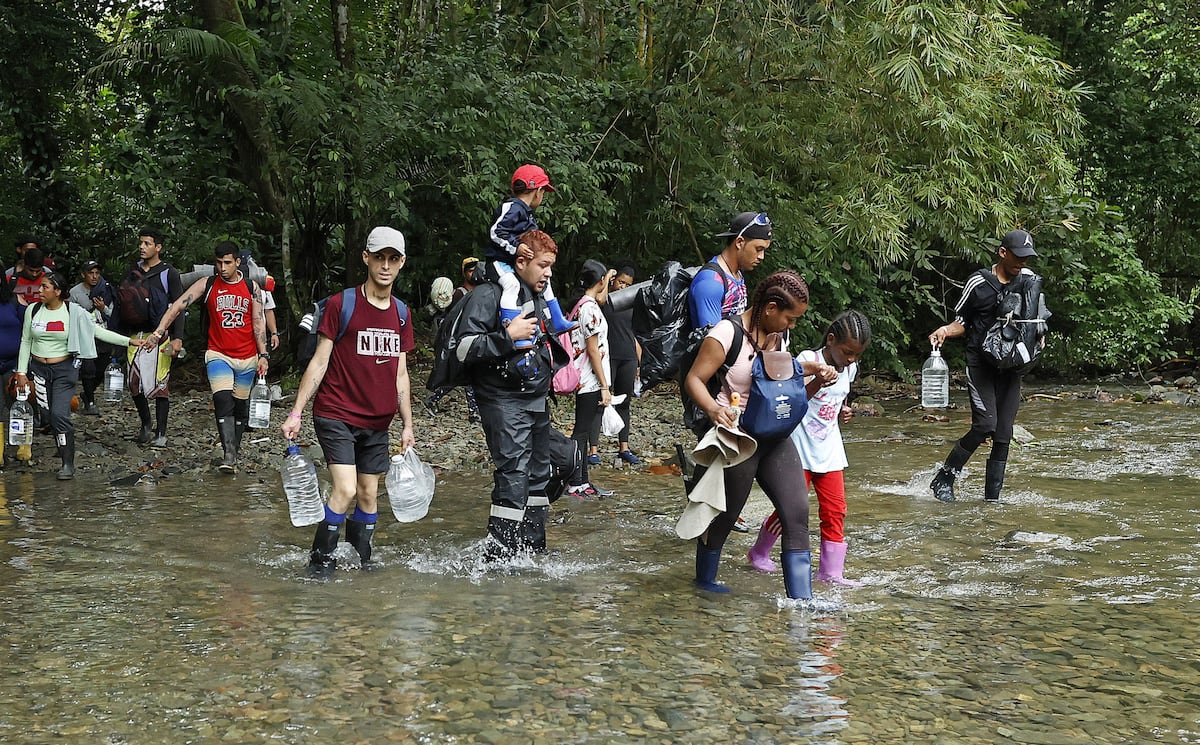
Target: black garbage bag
x: 662, y: 324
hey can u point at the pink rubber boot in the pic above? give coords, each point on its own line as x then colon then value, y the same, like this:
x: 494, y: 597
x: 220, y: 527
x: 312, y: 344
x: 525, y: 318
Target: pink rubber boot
x: 833, y: 561
x: 760, y: 555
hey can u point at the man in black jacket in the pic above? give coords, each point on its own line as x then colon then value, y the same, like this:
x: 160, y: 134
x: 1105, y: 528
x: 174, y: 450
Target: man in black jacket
x: 511, y: 386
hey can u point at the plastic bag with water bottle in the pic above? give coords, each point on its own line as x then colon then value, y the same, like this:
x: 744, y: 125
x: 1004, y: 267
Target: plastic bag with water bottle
x: 409, y: 486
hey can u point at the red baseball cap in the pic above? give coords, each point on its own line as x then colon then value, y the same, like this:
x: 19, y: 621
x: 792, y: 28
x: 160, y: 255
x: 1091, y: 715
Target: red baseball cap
x: 530, y: 177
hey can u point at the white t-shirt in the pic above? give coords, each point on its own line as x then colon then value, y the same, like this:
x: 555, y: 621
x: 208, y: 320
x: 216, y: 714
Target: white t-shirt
x: 591, y: 323
x: 818, y: 439
x: 268, y: 300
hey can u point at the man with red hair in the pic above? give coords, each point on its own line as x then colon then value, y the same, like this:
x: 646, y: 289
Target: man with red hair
x: 511, y: 366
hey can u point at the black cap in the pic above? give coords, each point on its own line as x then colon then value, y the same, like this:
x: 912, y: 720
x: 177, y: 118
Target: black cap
x: 1019, y: 243
x: 749, y: 225
x: 89, y: 266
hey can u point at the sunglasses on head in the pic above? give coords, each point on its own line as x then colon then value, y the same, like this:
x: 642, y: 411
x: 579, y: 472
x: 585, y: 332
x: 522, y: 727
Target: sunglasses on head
x: 759, y: 219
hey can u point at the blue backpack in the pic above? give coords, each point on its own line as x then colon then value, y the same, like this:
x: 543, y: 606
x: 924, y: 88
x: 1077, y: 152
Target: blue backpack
x: 312, y: 321
x: 776, y: 405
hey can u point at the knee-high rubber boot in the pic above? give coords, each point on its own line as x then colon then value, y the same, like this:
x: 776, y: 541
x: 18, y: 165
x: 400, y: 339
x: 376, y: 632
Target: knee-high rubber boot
x: 504, y: 539
x: 797, y: 574
x: 707, y: 561
x: 241, y: 417
x: 359, y: 535
x: 833, y: 563
x: 558, y: 321
x: 229, y: 453
x: 321, y: 561
x: 760, y: 554
x: 66, y: 449
x: 533, y: 525
x: 993, y: 480
x: 146, y: 433
x: 943, y: 481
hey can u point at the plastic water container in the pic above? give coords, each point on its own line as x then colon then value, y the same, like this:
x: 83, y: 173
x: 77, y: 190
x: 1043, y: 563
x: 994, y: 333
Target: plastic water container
x: 409, y: 486
x: 935, y: 382
x: 20, y: 420
x: 114, y: 382
x: 260, y: 405
x: 300, y: 484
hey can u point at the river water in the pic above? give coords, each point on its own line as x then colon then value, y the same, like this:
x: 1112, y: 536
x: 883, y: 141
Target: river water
x: 178, y: 611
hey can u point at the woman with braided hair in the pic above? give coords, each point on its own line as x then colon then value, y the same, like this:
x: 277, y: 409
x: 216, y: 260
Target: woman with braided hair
x: 818, y: 440
x: 778, y: 301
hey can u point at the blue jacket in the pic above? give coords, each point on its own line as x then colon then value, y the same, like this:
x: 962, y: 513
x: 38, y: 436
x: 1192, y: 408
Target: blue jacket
x: 12, y: 317
x: 510, y: 220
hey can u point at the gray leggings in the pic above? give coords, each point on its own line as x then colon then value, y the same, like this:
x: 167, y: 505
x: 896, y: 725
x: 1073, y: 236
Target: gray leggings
x: 55, y: 386
x: 781, y: 475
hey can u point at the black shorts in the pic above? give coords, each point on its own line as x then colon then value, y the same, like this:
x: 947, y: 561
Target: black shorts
x: 342, y: 444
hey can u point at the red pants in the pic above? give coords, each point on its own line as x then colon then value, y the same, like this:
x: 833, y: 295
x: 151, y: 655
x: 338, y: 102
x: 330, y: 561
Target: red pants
x: 831, y: 505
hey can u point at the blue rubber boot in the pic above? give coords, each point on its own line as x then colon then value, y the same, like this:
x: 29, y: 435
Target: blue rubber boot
x: 707, y: 561
x: 797, y: 574
x: 557, y: 319
x: 507, y: 316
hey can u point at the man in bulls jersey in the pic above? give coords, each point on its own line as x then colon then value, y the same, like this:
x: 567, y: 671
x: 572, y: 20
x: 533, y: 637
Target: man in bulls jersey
x: 361, y: 355
x: 236, y: 347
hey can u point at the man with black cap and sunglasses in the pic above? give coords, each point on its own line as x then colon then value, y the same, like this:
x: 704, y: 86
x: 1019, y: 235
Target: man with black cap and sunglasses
x: 719, y: 288
x: 995, y: 393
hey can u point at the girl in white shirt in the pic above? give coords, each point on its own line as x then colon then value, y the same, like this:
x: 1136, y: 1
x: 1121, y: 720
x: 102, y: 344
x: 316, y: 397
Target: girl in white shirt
x: 818, y: 439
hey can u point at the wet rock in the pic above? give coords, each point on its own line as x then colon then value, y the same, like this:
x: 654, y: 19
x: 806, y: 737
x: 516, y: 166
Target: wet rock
x: 1022, y: 436
x: 1187, y: 381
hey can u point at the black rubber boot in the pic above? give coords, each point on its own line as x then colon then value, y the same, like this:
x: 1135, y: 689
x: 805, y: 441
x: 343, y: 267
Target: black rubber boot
x: 359, y: 535
x: 707, y: 561
x: 943, y: 481
x: 321, y: 561
x: 504, y: 539
x: 993, y: 480
x: 533, y: 530
x: 143, y: 409
x: 66, y: 449
x: 228, y: 448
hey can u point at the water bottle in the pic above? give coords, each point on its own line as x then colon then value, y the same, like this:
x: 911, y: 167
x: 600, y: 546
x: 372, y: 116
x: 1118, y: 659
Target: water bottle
x: 114, y: 382
x: 260, y: 405
x: 20, y: 420
x: 408, y: 488
x: 301, y: 487
x: 935, y: 382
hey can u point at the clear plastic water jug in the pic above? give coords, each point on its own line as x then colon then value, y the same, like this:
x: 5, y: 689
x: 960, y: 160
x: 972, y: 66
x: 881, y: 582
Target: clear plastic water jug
x: 260, y: 405
x: 935, y: 382
x: 20, y: 420
x: 410, y: 485
x: 300, y: 484
x: 114, y: 382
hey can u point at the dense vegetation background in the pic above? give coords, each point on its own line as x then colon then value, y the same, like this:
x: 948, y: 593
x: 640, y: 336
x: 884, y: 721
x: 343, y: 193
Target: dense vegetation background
x: 891, y: 143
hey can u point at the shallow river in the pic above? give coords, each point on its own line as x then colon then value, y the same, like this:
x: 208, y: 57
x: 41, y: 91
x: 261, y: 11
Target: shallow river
x: 178, y: 612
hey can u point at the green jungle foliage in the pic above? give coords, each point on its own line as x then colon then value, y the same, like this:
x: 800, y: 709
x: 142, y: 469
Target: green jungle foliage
x: 890, y: 142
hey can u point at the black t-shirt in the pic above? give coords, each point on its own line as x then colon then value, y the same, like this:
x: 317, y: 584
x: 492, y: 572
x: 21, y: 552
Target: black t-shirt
x: 622, y: 345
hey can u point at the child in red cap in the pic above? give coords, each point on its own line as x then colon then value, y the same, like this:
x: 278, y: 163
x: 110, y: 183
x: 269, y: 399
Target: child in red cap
x: 512, y: 218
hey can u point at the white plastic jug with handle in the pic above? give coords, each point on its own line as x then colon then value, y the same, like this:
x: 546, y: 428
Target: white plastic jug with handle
x: 409, y: 486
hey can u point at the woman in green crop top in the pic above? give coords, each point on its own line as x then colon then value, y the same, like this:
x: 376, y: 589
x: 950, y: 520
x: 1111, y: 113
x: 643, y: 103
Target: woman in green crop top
x: 55, y: 337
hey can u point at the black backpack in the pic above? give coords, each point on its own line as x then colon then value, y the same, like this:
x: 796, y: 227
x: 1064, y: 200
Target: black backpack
x: 1014, y: 340
x: 447, y: 371
x: 139, y: 305
x: 694, y: 417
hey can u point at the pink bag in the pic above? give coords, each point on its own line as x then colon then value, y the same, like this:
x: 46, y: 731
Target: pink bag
x: 566, y: 380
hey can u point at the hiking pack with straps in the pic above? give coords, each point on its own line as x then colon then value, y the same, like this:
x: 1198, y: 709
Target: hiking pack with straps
x: 251, y: 286
x: 778, y: 399
x: 312, y: 322
x: 1014, y: 340
x: 138, y: 304
x: 447, y: 370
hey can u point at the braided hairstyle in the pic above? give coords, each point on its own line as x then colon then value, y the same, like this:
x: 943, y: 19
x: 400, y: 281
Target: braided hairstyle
x: 785, y: 288
x: 850, y: 324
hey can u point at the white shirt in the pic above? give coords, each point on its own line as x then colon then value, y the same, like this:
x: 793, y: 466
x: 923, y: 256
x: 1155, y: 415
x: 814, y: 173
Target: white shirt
x: 591, y: 323
x: 818, y: 439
